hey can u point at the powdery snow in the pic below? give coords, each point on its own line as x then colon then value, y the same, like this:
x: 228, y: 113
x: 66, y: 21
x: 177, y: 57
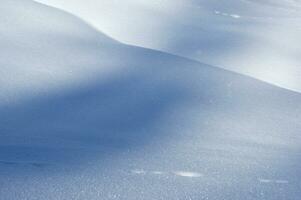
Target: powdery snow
x: 83, y: 116
x: 257, y: 38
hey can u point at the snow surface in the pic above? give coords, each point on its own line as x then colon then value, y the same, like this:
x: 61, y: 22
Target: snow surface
x: 259, y: 38
x: 83, y: 116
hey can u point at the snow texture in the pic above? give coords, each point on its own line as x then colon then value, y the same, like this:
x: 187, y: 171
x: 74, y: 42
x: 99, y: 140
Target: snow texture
x: 259, y: 38
x: 83, y: 116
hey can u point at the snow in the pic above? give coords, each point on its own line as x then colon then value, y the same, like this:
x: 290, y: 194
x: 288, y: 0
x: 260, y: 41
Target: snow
x: 247, y: 36
x: 188, y: 174
x: 268, y: 181
x: 83, y: 116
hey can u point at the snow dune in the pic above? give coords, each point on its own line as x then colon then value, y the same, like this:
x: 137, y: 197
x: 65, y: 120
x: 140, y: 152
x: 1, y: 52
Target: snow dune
x: 256, y: 38
x: 83, y: 116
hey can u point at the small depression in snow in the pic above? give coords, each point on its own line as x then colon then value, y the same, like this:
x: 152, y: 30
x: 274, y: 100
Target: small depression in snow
x: 138, y: 171
x: 267, y: 181
x: 188, y: 174
x: 236, y: 16
x: 157, y: 172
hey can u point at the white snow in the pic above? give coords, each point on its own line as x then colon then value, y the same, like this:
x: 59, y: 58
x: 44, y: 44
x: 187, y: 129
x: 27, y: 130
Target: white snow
x: 157, y: 172
x: 269, y: 181
x: 83, y: 116
x: 227, y: 14
x: 188, y: 174
x: 264, y: 43
x: 137, y: 171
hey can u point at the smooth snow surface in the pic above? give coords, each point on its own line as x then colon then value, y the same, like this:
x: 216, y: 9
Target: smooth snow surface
x: 85, y: 117
x: 260, y: 38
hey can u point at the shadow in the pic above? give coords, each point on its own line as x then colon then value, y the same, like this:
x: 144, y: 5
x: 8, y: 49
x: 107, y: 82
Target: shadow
x: 97, y: 118
x: 232, y: 128
x: 106, y: 116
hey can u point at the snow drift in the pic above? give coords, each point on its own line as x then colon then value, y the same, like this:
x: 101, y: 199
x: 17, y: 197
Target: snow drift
x: 257, y: 38
x: 83, y: 116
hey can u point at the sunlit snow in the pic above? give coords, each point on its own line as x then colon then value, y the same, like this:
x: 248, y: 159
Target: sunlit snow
x: 88, y: 111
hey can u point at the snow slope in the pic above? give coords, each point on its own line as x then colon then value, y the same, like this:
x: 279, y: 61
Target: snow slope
x: 257, y: 38
x: 85, y: 117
